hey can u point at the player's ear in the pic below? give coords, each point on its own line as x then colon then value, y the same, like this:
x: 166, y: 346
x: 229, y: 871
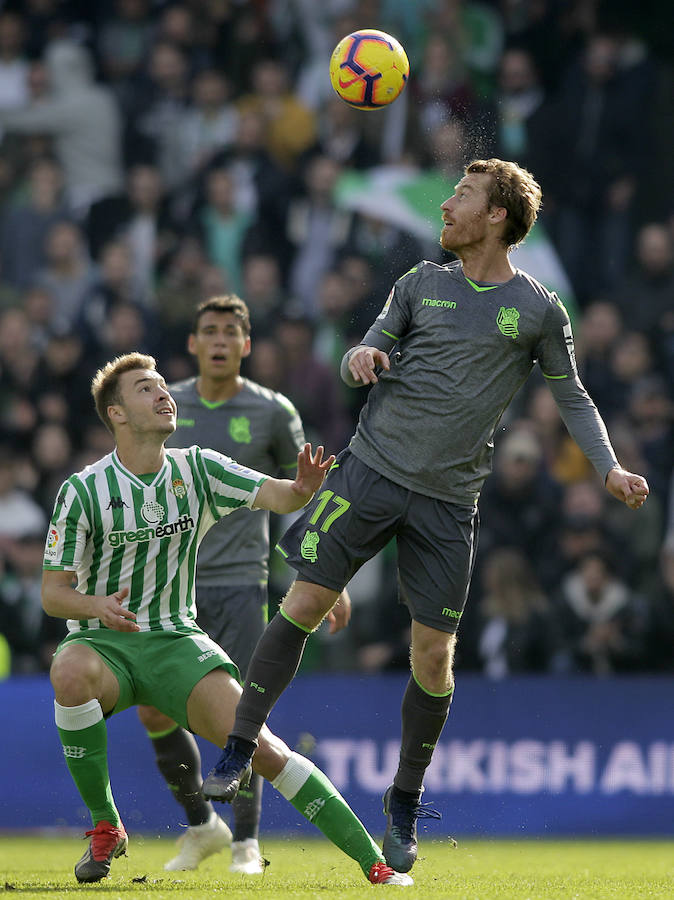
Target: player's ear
x: 498, y: 214
x: 246, y: 347
x: 191, y: 341
x: 116, y: 413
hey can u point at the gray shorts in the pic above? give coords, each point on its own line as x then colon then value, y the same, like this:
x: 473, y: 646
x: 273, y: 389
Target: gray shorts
x: 358, y: 511
x: 234, y: 616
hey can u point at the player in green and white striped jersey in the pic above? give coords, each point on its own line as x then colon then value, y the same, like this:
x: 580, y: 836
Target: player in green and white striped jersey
x: 126, y: 530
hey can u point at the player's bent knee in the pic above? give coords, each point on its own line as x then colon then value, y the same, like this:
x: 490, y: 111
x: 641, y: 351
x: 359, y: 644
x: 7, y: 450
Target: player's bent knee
x: 153, y: 720
x: 76, y: 672
x: 308, y: 603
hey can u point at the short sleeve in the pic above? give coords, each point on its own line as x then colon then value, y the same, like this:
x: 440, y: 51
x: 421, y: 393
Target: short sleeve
x: 230, y: 485
x: 68, y: 530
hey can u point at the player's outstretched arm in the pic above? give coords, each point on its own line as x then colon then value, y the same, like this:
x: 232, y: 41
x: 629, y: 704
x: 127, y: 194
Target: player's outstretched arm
x: 61, y: 600
x: 626, y: 486
x: 281, y: 495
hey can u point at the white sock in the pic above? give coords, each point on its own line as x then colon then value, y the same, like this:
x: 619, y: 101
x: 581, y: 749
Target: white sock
x: 293, y: 775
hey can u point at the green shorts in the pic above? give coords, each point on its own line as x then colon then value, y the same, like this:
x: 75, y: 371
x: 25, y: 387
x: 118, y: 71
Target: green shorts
x: 156, y: 668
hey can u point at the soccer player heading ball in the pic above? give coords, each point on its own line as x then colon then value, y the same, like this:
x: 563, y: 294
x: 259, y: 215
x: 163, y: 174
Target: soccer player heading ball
x: 467, y: 335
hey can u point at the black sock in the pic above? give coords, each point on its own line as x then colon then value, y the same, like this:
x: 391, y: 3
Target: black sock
x: 423, y: 718
x: 179, y: 762
x: 246, y: 808
x: 273, y: 666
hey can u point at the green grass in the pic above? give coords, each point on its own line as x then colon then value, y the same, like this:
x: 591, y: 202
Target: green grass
x: 303, y: 868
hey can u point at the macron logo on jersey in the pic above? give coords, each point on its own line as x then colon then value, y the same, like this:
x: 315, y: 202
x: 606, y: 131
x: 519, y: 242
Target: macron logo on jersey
x: 443, y: 304
x: 142, y: 535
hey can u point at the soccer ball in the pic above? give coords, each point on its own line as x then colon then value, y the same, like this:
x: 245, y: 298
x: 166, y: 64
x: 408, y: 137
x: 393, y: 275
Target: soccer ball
x: 369, y: 69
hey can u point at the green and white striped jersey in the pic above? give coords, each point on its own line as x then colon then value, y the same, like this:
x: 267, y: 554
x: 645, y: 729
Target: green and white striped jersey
x: 114, y: 530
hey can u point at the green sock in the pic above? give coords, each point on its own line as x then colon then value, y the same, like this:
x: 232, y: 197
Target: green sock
x: 85, y: 746
x: 318, y: 800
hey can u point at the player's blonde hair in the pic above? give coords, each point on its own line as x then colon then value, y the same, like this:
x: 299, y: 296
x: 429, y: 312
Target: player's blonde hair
x: 105, y: 383
x: 516, y: 190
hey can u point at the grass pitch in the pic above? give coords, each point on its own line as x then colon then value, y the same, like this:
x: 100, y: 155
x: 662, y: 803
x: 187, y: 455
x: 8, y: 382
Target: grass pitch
x: 301, y: 868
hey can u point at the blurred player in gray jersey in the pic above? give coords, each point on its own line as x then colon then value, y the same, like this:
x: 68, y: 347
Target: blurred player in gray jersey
x: 262, y: 430
x: 466, y: 337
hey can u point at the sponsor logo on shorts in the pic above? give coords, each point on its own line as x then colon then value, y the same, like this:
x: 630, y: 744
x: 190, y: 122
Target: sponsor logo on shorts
x: 72, y: 752
x: 309, y: 545
x: 206, y: 655
x: 452, y: 613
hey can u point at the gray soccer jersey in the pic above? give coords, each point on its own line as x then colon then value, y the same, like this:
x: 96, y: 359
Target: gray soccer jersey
x: 114, y: 530
x: 258, y: 428
x: 463, y: 350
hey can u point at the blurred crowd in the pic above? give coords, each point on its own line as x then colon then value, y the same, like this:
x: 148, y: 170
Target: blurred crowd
x: 155, y: 153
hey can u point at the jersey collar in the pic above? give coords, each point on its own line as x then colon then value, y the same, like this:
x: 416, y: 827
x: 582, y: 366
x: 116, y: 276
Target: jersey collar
x: 134, y: 479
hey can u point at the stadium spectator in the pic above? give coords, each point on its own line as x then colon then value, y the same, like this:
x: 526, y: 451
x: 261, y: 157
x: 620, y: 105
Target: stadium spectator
x: 289, y: 126
x: 439, y: 87
x: 519, y: 505
x: 224, y: 227
x: 208, y: 125
x: 25, y: 223
x: 84, y: 120
x: 311, y: 384
x: 141, y: 217
x: 263, y: 286
x: 517, y: 632
x: 599, y: 331
x: 262, y: 188
x: 597, y: 157
x: 68, y: 274
x: 342, y: 136
x: 518, y: 114
x: 317, y: 229
x: 645, y: 295
x: 20, y: 515
x: 117, y: 283
x: 31, y: 635
x: 561, y: 456
x: 603, y: 624
x: 123, y: 39
x: 14, y: 65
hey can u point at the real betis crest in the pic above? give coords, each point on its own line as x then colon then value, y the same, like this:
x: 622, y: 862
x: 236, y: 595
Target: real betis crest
x: 239, y: 429
x: 309, y: 545
x: 507, y: 320
x: 178, y: 488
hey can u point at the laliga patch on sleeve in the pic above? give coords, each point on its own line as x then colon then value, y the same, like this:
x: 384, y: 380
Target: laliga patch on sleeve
x: 53, y: 543
x: 387, y: 305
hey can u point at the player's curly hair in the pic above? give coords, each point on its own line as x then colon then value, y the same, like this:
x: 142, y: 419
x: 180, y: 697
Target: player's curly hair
x: 516, y: 190
x: 105, y: 383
